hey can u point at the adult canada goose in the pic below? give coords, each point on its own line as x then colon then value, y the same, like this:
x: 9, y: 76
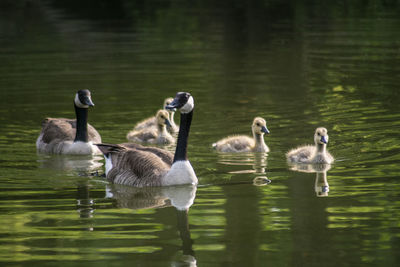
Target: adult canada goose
x: 312, y: 154
x: 66, y: 136
x: 136, y: 165
x: 154, y: 135
x: 244, y: 143
x: 152, y: 121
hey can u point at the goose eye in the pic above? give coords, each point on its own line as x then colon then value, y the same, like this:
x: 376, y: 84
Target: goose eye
x: 318, y: 134
x: 257, y: 124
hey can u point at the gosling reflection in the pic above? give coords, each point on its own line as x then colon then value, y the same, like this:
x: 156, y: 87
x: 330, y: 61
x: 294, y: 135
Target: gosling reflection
x: 321, y: 185
x: 79, y: 163
x: 257, y: 160
x: 181, y: 197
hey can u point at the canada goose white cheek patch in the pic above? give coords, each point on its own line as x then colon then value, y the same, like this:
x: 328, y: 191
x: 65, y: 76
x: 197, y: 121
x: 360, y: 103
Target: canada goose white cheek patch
x: 78, y: 102
x: 188, y: 106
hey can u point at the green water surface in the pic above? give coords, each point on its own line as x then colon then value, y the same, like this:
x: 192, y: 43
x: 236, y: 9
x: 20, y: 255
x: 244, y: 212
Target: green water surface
x: 298, y: 64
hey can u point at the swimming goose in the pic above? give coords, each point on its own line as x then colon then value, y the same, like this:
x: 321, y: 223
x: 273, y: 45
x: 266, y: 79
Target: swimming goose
x: 66, y: 136
x: 136, y: 165
x: 154, y: 135
x: 244, y: 143
x: 152, y: 121
x: 312, y: 154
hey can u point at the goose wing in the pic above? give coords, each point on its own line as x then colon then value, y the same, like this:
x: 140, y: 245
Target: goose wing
x: 65, y: 130
x: 164, y: 155
x: 135, y: 165
x: 58, y: 129
x: 93, y: 134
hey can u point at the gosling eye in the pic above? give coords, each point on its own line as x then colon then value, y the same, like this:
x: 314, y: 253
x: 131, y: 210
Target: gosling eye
x: 318, y: 134
x: 257, y: 124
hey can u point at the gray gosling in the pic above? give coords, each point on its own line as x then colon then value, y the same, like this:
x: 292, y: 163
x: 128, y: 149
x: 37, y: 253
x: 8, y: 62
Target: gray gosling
x: 317, y: 154
x: 154, y: 135
x: 67, y: 136
x: 152, y: 121
x: 140, y: 166
x: 243, y: 143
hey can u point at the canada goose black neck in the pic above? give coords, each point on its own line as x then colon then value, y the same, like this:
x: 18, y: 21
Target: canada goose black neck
x: 81, y: 124
x: 183, y: 135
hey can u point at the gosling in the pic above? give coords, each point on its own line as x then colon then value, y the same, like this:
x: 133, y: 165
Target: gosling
x: 312, y: 154
x: 154, y: 135
x: 243, y: 143
x: 152, y: 121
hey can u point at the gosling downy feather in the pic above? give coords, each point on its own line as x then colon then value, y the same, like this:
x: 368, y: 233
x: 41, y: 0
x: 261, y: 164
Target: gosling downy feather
x: 152, y: 121
x: 154, y: 135
x: 316, y: 154
x: 244, y: 143
x: 136, y: 165
x: 67, y: 136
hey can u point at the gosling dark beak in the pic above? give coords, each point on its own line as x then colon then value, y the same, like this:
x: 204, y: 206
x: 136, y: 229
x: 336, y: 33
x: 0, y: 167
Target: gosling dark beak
x: 88, y: 101
x: 168, y: 123
x: 323, y: 140
x: 264, y: 130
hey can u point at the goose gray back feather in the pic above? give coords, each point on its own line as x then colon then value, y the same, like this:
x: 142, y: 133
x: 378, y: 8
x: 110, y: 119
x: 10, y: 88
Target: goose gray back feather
x: 58, y: 132
x: 136, y: 165
x: 65, y: 130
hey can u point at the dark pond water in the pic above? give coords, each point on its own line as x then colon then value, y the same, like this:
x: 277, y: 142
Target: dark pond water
x: 299, y: 65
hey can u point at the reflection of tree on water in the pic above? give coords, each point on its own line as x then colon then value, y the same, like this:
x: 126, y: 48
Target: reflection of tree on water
x: 257, y: 160
x: 321, y: 182
x: 180, y: 197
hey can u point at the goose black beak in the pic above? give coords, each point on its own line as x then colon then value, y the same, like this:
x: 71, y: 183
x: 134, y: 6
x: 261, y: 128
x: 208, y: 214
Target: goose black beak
x: 323, y: 140
x: 173, y: 105
x: 172, y: 109
x: 168, y: 123
x: 264, y: 130
x: 88, y: 101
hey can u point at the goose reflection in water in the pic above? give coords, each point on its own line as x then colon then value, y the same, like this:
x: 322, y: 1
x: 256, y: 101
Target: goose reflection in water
x: 181, y: 197
x: 321, y: 185
x: 78, y: 163
x: 85, y: 203
x: 257, y: 160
